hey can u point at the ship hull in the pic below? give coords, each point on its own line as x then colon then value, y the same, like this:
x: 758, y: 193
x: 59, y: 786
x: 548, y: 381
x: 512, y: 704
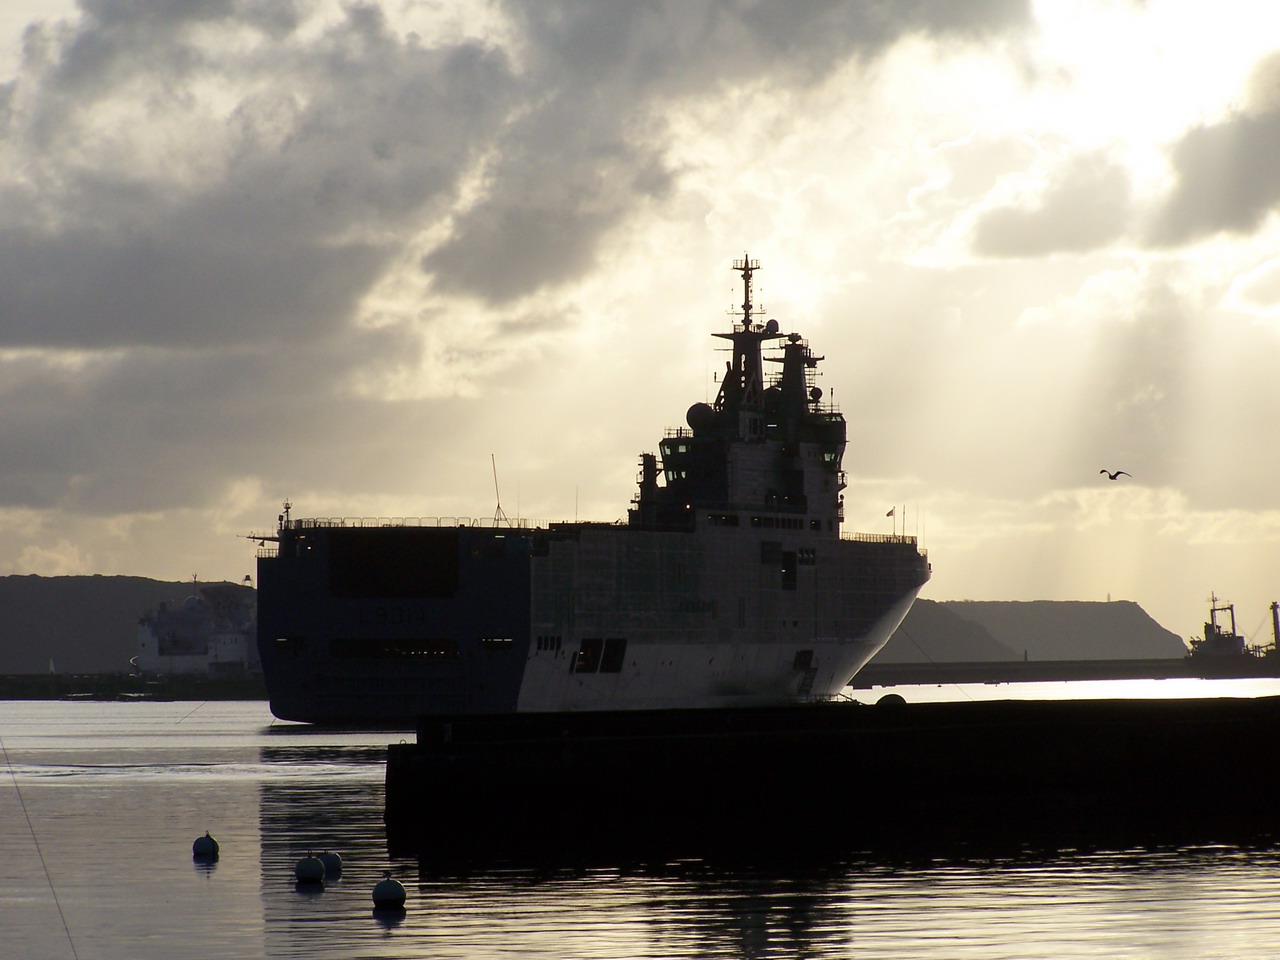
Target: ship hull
x: 389, y: 624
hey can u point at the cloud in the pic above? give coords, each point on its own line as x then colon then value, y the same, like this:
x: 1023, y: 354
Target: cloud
x: 591, y: 148
x: 70, y: 291
x: 1227, y: 180
x: 1085, y: 206
x: 224, y: 170
x: 250, y: 196
x: 1262, y: 89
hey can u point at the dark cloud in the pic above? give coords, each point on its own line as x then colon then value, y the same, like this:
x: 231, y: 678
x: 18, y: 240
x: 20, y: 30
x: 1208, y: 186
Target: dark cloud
x: 1227, y: 180
x: 1086, y: 207
x: 332, y: 154
x: 120, y: 39
x: 683, y: 46
x: 73, y: 291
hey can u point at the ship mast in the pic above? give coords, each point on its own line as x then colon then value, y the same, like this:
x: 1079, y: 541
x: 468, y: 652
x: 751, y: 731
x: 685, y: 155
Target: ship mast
x: 742, y: 391
x: 746, y: 266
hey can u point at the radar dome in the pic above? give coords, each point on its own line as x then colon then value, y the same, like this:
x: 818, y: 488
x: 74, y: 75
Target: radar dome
x: 701, y: 417
x: 771, y: 326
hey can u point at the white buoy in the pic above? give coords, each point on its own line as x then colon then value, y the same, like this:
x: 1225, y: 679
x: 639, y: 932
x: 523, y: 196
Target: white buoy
x: 205, y: 848
x: 309, y: 870
x: 388, y: 894
x: 332, y: 865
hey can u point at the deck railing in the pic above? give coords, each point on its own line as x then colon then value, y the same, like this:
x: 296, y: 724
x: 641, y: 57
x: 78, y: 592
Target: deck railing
x: 878, y: 537
x: 311, y: 523
x: 519, y: 523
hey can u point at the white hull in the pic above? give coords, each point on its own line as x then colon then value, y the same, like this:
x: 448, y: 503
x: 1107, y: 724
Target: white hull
x: 694, y: 675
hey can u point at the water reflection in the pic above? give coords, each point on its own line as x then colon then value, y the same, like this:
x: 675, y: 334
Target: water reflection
x: 389, y: 917
x: 204, y: 867
x: 917, y: 894
x: 1121, y: 903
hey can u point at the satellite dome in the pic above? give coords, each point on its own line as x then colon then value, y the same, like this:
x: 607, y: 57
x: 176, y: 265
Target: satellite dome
x: 701, y: 417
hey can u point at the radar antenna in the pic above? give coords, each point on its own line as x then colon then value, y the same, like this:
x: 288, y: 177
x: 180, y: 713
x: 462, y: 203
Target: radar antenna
x: 746, y: 266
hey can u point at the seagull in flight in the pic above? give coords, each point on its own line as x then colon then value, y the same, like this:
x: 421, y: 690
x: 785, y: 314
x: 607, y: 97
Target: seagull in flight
x: 1118, y: 473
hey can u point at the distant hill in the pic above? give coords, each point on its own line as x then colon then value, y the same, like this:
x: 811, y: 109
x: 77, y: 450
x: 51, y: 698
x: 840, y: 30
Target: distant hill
x: 933, y: 633
x: 1035, y: 629
x: 82, y: 624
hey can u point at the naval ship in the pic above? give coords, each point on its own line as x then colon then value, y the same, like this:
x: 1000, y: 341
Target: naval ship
x: 731, y: 583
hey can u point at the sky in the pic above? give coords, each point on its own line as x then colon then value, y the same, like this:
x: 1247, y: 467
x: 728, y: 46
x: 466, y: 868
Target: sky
x: 363, y: 256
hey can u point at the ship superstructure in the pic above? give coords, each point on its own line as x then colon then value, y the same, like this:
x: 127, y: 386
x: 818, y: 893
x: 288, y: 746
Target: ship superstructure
x: 730, y: 584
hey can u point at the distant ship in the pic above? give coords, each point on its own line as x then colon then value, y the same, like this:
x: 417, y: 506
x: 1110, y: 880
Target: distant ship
x: 1219, y: 641
x: 212, y: 633
x: 729, y: 585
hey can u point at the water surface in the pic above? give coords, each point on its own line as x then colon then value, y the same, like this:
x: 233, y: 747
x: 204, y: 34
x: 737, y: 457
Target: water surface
x: 100, y: 802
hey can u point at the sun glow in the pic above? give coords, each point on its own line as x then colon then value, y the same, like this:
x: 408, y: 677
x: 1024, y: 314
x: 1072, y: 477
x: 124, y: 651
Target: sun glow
x: 1143, y: 73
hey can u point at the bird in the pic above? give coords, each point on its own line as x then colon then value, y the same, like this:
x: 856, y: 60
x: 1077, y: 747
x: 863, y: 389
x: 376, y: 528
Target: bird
x: 1118, y: 473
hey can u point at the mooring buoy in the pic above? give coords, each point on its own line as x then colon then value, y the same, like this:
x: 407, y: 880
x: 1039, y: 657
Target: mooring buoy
x: 388, y: 894
x: 309, y: 870
x: 332, y: 865
x: 205, y: 848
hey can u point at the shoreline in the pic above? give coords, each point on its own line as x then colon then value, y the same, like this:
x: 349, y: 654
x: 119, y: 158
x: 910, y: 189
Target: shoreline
x: 124, y: 686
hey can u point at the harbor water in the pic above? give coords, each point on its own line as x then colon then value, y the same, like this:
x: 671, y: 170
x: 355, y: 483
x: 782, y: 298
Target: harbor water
x: 100, y: 804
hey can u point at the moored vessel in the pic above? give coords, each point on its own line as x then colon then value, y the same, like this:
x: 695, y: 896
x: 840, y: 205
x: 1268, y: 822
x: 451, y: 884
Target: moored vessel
x: 730, y: 584
x: 1220, y: 651
x: 209, y: 634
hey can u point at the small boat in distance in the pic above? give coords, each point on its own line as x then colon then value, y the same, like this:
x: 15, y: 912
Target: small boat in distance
x: 731, y: 584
